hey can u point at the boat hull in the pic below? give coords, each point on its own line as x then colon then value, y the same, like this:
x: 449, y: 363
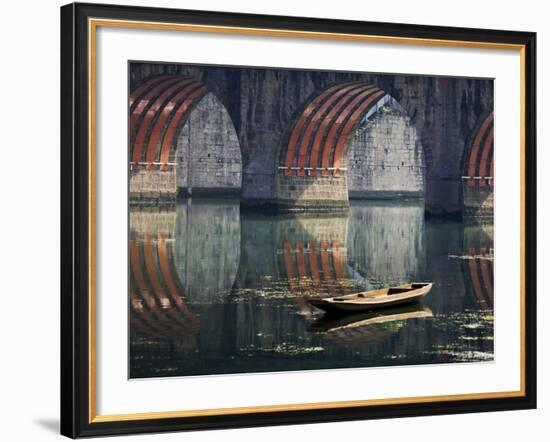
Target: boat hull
x: 351, y: 303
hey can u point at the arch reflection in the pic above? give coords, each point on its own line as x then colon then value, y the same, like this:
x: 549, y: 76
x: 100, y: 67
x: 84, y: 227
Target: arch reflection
x: 157, y: 298
x: 479, y: 263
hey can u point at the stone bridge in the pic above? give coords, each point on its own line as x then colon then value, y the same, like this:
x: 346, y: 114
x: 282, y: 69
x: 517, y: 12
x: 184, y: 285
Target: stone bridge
x: 307, y: 139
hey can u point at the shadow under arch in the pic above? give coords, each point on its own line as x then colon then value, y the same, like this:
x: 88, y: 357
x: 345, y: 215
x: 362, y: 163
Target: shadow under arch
x: 312, y: 164
x: 161, y: 110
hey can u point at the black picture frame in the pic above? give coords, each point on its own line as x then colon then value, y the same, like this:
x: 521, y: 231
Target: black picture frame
x: 75, y: 221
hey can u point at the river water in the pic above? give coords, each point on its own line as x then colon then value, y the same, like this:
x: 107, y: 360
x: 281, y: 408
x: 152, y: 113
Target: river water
x: 214, y: 289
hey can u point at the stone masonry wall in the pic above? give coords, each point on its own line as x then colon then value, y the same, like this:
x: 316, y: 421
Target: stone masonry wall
x: 152, y: 184
x: 319, y: 192
x: 385, y: 158
x: 210, y: 138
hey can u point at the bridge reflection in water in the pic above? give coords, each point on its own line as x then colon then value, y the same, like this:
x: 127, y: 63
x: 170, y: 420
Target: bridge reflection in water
x: 215, y: 290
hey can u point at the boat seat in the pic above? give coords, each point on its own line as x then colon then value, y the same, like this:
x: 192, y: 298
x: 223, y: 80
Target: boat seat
x: 396, y: 290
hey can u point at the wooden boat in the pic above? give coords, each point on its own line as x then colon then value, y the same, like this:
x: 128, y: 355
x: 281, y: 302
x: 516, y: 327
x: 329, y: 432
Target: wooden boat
x: 330, y: 323
x: 373, y: 299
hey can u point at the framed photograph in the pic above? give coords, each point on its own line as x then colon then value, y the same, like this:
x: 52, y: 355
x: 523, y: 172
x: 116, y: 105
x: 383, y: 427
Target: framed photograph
x: 278, y: 220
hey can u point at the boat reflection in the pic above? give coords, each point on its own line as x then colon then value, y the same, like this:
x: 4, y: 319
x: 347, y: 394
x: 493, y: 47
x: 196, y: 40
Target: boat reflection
x: 333, y: 322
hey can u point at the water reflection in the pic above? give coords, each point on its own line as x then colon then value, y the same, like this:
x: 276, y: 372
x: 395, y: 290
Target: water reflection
x: 207, y: 248
x: 214, y: 290
x: 479, y: 260
x: 332, y: 323
x: 157, y: 306
x: 386, y: 241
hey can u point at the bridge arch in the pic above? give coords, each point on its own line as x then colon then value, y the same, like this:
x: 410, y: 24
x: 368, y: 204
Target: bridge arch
x: 177, y: 126
x: 478, y: 172
x: 313, y: 169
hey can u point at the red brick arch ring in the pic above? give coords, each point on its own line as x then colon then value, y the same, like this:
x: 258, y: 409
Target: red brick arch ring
x: 159, y: 108
x: 318, y: 139
x: 478, y: 164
